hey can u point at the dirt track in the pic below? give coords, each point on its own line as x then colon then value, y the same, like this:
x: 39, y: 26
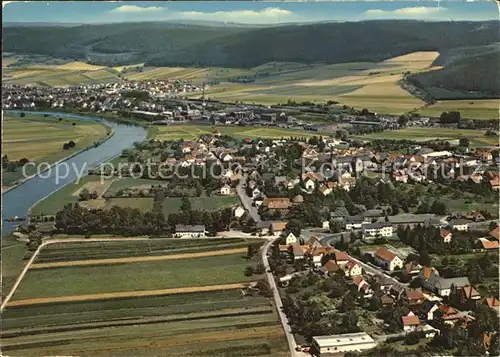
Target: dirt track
x: 137, y: 259
x: 127, y: 294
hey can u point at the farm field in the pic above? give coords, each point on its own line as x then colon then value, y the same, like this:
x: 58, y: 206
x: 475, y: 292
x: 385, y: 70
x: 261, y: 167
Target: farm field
x: 13, y: 263
x: 219, y: 324
x: 133, y: 277
x: 218, y: 317
x: 55, y: 202
x: 62, y: 252
x: 40, y: 139
x: 189, y: 132
x: 360, y: 85
x: 476, y: 137
x: 469, y: 109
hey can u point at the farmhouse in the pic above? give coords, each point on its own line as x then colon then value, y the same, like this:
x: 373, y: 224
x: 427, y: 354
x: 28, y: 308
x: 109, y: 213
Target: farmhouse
x: 387, y: 259
x: 188, y: 231
x: 225, y: 190
x: 342, y: 343
x: 442, y: 286
x: 459, y: 224
x: 410, y: 323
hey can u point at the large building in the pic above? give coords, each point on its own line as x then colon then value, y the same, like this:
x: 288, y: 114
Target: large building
x: 187, y: 231
x: 342, y: 343
x: 381, y: 229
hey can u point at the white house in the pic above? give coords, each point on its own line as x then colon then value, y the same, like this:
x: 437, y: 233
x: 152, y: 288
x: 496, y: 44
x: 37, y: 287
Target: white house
x: 410, y: 322
x: 255, y: 192
x: 188, y: 231
x: 290, y: 238
x: 355, y: 222
x: 459, y: 224
x: 309, y: 184
x: 225, y: 190
x: 238, y: 211
x: 371, y: 230
x: 428, y: 310
x: 387, y: 259
x: 325, y: 224
x: 331, y: 344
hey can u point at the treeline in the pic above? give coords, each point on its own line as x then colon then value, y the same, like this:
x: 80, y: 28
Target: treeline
x: 126, y: 221
x: 164, y: 44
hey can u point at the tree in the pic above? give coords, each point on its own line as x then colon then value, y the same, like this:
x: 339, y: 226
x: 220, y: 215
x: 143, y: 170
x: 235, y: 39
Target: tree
x: 35, y: 240
x: 424, y: 258
x: 295, y: 226
x: 348, y: 302
x: 84, y: 195
x: 464, y: 142
x: 250, y: 251
x: 185, y: 204
x: 248, y: 270
x: 438, y: 207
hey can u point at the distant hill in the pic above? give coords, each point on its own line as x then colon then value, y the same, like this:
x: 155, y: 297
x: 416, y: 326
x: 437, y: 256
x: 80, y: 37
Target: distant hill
x: 467, y: 76
x: 192, y: 44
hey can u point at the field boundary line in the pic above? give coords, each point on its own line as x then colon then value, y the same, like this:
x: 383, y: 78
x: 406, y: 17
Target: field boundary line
x: 129, y: 294
x: 139, y: 259
x: 54, y: 241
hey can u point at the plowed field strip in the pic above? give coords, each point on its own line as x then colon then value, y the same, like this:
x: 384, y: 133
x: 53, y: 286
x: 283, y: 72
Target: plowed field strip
x: 126, y: 294
x: 108, y: 261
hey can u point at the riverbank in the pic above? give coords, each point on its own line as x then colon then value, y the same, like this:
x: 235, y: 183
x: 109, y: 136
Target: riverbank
x: 109, y: 134
x: 19, y: 199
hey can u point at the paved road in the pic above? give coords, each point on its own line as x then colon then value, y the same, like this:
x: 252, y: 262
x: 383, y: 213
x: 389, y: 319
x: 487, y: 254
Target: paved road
x: 279, y: 305
x: 247, y: 201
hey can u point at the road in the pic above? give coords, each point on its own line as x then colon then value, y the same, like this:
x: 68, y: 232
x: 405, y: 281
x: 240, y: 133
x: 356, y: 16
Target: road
x: 247, y: 201
x: 279, y: 305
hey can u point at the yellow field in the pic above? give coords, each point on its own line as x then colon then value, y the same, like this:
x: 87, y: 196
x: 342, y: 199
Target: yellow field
x: 469, y: 109
x: 79, y: 66
x: 126, y: 294
x: 43, y: 138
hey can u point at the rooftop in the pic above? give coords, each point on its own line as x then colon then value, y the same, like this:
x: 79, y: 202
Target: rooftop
x: 189, y: 228
x: 343, y: 340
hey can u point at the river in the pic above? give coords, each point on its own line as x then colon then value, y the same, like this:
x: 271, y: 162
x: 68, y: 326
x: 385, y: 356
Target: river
x: 18, y: 200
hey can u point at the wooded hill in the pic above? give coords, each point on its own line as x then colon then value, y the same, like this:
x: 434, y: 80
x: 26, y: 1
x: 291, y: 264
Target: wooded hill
x: 469, y: 50
x: 466, y: 76
x: 171, y: 44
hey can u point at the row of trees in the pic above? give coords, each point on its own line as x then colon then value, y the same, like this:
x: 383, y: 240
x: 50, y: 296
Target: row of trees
x: 126, y: 221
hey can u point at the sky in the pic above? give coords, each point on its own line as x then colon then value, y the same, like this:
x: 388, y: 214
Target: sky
x: 247, y: 12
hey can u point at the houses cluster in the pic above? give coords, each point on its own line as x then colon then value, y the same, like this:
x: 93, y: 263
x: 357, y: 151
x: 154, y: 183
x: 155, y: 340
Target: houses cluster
x: 97, y: 97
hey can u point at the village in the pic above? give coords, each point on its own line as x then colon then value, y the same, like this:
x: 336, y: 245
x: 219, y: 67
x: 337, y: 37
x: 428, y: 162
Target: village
x: 355, y: 231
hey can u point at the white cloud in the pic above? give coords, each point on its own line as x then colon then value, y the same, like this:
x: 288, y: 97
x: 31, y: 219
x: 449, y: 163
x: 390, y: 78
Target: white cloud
x: 133, y: 9
x: 418, y: 11
x: 267, y: 15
